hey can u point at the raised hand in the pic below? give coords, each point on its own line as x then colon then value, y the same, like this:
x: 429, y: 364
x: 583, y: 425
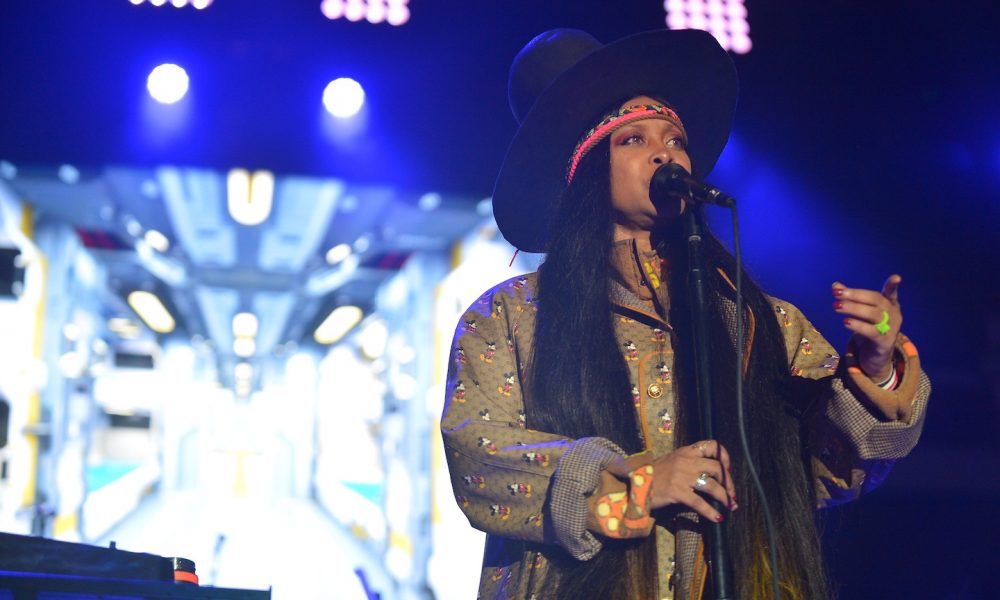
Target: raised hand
x: 875, y: 319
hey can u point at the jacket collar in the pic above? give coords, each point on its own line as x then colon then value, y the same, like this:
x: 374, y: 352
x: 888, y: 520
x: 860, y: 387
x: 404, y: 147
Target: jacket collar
x: 636, y: 286
x: 637, y: 290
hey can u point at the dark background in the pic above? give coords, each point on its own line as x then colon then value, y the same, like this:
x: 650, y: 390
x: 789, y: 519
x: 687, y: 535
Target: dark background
x: 867, y: 141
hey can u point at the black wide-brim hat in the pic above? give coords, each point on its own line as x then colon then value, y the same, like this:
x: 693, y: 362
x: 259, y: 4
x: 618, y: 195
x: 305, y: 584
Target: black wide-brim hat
x: 564, y: 80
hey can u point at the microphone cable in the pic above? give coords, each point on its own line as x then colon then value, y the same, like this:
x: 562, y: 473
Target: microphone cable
x: 740, y: 417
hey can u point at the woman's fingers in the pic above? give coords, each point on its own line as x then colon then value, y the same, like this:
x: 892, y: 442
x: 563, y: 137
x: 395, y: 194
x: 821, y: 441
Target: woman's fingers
x: 721, y: 474
x: 875, y: 317
x: 709, y: 449
x: 703, y: 508
x: 714, y: 489
x: 718, y: 455
x: 890, y: 289
x: 692, y: 475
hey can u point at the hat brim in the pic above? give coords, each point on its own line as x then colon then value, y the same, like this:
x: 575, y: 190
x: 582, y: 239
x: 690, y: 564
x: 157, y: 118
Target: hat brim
x: 686, y: 68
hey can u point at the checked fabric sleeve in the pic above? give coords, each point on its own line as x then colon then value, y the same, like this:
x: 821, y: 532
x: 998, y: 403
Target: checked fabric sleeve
x: 857, y: 430
x: 512, y: 481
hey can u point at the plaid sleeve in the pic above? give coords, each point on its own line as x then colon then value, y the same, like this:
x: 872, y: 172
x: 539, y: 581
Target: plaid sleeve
x: 860, y: 430
x: 501, y: 472
x: 576, y: 478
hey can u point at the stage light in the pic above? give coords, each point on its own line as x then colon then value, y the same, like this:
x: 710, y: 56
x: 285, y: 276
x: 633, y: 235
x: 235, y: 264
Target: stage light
x: 354, y: 10
x: 429, y: 201
x: 71, y: 331
x: 677, y: 20
x: 167, y: 83
x: 362, y: 244
x: 741, y: 44
x: 484, y: 207
x: 72, y: 365
x: 262, y: 192
x: 376, y: 12
x: 7, y: 169
x: 726, y: 20
x: 372, y: 339
x: 197, y: 4
x: 343, y: 97
x: 244, y: 347
x: 332, y: 9
x: 245, y: 325
x: 398, y: 13
x: 336, y: 325
x: 243, y: 371
x: 69, y: 174
x: 394, y: 12
x: 157, y: 241
x: 151, y: 311
x: 338, y: 253
x: 132, y: 226
x: 249, y: 197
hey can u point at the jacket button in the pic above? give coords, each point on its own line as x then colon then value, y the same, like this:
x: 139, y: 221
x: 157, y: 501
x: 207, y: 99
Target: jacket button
x: 654, y: 390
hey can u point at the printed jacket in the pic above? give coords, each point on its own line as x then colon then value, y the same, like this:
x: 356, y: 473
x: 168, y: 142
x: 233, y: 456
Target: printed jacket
x: 527, y: 489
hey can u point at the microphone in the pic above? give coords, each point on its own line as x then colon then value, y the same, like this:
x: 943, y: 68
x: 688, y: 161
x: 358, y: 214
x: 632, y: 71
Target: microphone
x: 673, y: 181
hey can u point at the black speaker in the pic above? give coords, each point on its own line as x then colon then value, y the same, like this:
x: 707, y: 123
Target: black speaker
x: 11, y: 273
x: 4, y: 420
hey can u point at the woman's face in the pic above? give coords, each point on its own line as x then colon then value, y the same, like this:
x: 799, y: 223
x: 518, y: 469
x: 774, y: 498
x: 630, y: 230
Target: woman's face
x: 637, y: 150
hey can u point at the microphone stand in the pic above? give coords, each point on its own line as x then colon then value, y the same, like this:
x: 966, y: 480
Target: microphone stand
x: 716, y: 539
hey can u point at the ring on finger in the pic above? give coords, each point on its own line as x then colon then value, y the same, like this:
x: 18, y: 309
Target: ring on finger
x: 882, y: 327
x: 701, y: 481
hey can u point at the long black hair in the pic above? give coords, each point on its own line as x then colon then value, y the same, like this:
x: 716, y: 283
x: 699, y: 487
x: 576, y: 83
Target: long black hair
x: 589, y: 395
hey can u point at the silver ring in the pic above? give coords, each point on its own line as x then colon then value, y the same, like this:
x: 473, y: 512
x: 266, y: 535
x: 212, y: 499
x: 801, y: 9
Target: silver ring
x: 702, y: 481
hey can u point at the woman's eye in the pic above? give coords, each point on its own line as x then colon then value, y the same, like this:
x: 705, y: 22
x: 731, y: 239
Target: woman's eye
x: 677, y: 142
x: 634, y: 138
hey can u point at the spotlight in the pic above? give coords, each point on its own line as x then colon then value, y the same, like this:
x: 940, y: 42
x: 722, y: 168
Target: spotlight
x: 167, y: 83
x: 157, y: 240
x: 69, y: 174
x: 250, y: 196
x: 243, y: 371
x: 151, y: 311
x: 336, y: 325
x: 429, y: 201
x: 332, y: 9
x: 244, y: 347
x: 245, y: 325
x: 354, y: 10
x: 397, y: 14
x: 724, y: 19
x: 338, y: 253
x: 343, y: 97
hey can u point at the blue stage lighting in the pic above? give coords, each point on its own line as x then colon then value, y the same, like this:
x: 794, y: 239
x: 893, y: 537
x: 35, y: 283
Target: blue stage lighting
x: 167, y: 83
x: 343, y: 97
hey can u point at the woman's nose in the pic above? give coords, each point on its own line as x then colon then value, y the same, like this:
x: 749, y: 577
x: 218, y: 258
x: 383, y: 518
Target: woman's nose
x: 660, y: 156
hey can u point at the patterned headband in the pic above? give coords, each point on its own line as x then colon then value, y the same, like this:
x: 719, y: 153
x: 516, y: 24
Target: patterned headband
x: 615, y: 121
